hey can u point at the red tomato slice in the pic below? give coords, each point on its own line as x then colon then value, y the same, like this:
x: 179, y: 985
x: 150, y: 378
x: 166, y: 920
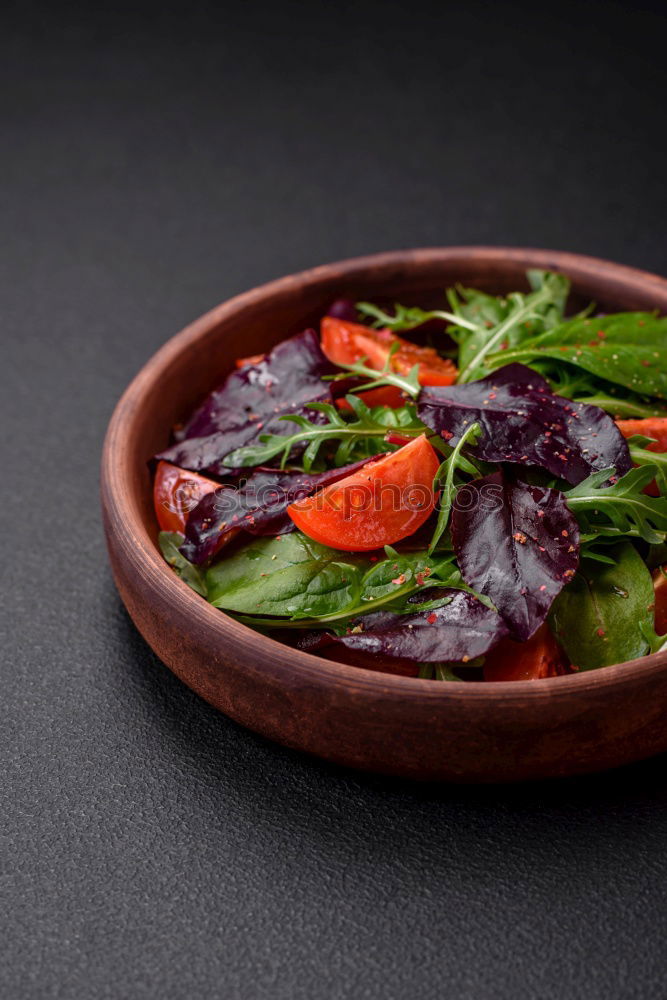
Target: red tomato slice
x: 385, y: 501
x: 660, y: 588
x: 386, y: 395
x: 540, y: 656
x: 653, y: 427
x: 252, y: 359
x: 175, y: 493
x: 344, y: 343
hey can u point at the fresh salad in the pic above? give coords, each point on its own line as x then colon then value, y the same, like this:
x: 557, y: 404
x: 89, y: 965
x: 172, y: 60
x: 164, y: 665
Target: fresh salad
x: 472, y: 492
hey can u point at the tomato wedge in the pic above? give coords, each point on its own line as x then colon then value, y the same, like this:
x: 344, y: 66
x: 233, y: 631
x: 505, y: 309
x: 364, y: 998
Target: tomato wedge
x: 344, y: 343
x: 252, y: 359
x: 383, y: 502
x: 175, y: 493
x: 385, y: 395
x: 653, y: 427
x: 540, y: 656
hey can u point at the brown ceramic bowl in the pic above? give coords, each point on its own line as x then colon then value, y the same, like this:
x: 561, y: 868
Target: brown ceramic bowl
x: 380, y: 722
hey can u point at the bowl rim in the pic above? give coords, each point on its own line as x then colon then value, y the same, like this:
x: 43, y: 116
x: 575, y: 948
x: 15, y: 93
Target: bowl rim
x: 126, y: 523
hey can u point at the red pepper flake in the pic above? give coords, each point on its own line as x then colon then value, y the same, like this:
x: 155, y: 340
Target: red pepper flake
x: 601, y: 632
x: 601, y: 334
x: 593, y: 343
x: 646, y: 364
x: 432, y: 618
x: 419, y: 577
x: 399, y: 580
x: 565, y: 533
x: 540, y: 513
x: 504, y: 345
x: 447, y: 435
x: 492, y: 395
x: 543, y: 587
x: 374, y: 559
x: 642, y: 322
x: 519, y: 537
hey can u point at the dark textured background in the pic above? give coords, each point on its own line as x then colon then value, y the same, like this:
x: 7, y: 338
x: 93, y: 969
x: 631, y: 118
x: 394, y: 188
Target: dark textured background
x: 154, y: 163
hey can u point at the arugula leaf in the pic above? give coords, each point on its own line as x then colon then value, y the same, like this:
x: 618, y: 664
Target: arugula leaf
x: 536, y: 307
x: 620, y: 508
x: 409, y: 317
x: 628, y: 349
x: 643, y: 456
x: 378, y: 378
x: 370, y: 427
x: 170, y: 542
x: 444, y: 481
x: 606, y: 614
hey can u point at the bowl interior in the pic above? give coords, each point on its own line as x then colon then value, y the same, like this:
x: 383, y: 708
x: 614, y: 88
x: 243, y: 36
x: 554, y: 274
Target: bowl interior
x: 195, y: 361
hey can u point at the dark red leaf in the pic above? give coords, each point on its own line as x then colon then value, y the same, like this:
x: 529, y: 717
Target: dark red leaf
x: 259, y: 507
x: 517, y: 544
x: 250, y: 402
x: 524, y: 422
x: 458, y: 631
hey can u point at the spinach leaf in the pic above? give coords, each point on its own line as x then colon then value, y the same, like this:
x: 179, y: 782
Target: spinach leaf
x: 169, y: 542
x: 620, y: 508
x: 628, y: 349
x: 516, y: 544
x: 577, y: 384
x: 605, y: 615
x: 288, y: 575
x: 305, y: 584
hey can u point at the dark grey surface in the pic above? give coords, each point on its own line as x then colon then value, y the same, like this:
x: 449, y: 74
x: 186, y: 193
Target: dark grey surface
x: 154, y: 163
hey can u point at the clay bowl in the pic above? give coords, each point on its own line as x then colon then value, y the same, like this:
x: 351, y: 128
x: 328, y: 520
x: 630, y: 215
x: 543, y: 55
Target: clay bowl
x: 357, y: 717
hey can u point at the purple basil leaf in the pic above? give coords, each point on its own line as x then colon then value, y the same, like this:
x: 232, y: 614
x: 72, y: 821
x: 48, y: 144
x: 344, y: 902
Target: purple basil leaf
x: 517, y: 544
x: 250, y: 402
x: 344, y: 309
x: 458, y: 631
x: 259, y: 507
x: 523, y: 421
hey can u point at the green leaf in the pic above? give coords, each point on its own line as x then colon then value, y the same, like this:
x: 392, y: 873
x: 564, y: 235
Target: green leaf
x: 379, y: 378
x: 289, y: 575
x: 628, y: 349
x: 584, y: 387
x: 656, y: 459
x: 169, y: 542
x: 523, y: 314
x: 407, y: 317
x: 605, y: 615
x: 620, y: 508
x: 368, y: 429
x: 444, y: 481
x: 305, y: 584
